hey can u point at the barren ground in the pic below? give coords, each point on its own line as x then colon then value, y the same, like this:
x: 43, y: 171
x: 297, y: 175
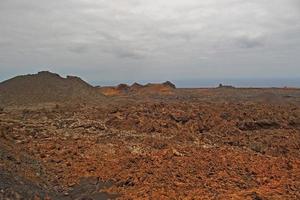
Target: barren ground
x: 191, y: 144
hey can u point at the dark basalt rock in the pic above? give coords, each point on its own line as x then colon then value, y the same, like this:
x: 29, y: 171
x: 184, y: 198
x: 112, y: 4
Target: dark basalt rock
x: 168, y: 83
x: 257, y: 125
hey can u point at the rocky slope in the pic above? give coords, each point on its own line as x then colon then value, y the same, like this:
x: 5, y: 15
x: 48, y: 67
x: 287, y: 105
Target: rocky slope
x: 45, y: 87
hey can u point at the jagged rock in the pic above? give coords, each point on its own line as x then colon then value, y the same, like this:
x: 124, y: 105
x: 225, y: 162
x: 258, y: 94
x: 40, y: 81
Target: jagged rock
x: 168, y: 83
x: 136, y: 85
x: 123, y: 87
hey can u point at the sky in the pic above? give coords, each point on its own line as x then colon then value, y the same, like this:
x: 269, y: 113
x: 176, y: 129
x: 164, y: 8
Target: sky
x: 188, y: 41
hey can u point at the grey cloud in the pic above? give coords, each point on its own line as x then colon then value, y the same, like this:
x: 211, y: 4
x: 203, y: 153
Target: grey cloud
x: 128, y: 54
x: 167, y: 37
x: 122, y: 52
x: 79, y: 48
x: 5, y: 44
x: 250, y: 42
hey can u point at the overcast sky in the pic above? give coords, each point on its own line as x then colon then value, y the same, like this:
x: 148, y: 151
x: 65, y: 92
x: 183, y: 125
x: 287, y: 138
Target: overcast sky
x: 107, y: 41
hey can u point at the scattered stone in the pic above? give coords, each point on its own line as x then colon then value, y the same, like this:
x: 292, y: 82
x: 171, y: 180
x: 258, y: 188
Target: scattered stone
x: 257, y: 125
x: 255, y: 196
x: 177, y: 153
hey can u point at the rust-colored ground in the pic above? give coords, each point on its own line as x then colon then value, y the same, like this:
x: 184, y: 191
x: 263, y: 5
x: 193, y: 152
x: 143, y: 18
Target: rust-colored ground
x: 191, y: 144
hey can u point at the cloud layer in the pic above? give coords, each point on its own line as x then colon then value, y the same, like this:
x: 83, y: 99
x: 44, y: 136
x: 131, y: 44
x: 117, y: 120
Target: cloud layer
x: 151, y: 39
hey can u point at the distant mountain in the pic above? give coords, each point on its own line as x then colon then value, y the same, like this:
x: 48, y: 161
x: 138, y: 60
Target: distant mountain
x: 46, y: 87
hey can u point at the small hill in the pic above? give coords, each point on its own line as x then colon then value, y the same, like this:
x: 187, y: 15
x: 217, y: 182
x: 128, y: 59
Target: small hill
x: 156, y: 89
x: 166, y: 88
x: 221, y: 86
x: 121, y: 89
x: 110, y: 91
x: 46, y: 87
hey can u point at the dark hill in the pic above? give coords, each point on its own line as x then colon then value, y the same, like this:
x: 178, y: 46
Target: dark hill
x: 46, y: 87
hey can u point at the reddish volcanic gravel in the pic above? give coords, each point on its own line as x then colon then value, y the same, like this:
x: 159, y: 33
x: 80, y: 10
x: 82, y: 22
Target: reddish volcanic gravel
x: 162, y: 147
x: 62, y: 138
